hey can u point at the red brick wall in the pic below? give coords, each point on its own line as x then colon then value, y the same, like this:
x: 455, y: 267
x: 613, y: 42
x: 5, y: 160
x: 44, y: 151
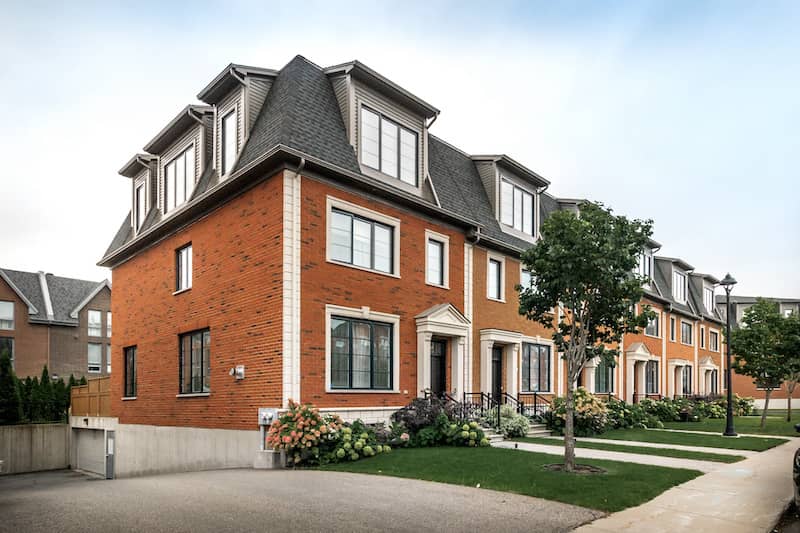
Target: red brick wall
x: 30, y: 340
x: 236, y: 292
x: 327, y: 283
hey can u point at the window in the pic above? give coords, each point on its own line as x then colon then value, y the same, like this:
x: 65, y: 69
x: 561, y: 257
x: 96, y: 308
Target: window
x: 702, y: 336
x: 435, y: 263
x: 708, y: 299
x: 525, y: 279
x: 195, y: 362
x: 652, y: 326
x: 646, y: 264
x: 679, y: 286
x: 6, y: 315
x: 651, y: 377
x: 713, y: 341
x: 388, y: 147
x: 183, y: 268
x: 686, y: 333
x: 361, y: 242
x: 672, y: 328
x: 787, y: 313
x: 179, y: 178
x: 361, y: 354
x: 130, y: 372
x: 108, y: 324
x: 228, y: 141
x: 535, y: 367
x: 516, y: 207
x: 7, y: 344
x: 95, y: 323
x: 108, y: 359
x: 95, y: 358
x: 687, y: 379
x: 714, y: 382
x: 604, y: 378
x: 495, y: 280
x: 140, y: 208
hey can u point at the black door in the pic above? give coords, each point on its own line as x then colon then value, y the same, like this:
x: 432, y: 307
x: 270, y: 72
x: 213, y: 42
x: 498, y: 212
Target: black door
x: 438, y: 367
x: 497, y: 371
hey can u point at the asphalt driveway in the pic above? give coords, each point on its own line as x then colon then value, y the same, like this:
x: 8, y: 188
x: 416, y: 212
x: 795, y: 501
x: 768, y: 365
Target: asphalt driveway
x: 269, y: 500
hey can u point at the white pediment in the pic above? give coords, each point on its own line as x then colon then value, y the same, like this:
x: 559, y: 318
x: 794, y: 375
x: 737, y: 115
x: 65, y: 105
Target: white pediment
x: 443, y: 319
x: 638, y: 351
x: 707, y: 363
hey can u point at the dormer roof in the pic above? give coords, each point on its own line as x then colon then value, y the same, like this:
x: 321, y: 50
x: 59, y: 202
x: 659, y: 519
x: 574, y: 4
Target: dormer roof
x: 231, y: 76
x: 363, y: 73
x: 653, y: 244
x: 504, y: 161
x: 188, y: 117
x: 136, y: 164
x: 706, y: 277
x: 680, y: 263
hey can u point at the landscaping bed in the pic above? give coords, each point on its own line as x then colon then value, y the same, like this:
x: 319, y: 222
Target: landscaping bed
x: 757, y: 444
x: 623, y: 485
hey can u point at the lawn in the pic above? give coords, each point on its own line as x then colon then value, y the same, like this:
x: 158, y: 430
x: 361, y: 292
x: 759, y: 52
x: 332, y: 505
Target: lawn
x: 665, y: 452
x: 775, y: 425
x: 623, y: 485
x: 757, y: 444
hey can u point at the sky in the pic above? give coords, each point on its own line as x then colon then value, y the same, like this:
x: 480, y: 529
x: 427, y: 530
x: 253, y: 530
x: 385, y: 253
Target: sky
x: 683, y: 112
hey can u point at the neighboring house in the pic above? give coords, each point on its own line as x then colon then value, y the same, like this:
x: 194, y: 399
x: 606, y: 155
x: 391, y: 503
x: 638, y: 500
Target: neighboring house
x: 744, y: 385
x: 302, y: 235
x: 63, y: 323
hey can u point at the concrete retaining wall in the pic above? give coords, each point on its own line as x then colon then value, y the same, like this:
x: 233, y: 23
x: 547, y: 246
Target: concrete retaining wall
x: 34, y: 447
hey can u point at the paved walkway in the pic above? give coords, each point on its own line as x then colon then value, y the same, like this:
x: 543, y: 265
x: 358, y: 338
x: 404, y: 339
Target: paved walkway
x: 757, y: 435
x: 590, y: 453
x: 743, y: 497
x: 704, y: 449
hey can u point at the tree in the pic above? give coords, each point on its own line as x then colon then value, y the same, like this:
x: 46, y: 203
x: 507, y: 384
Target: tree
x: 10, y: 405
x: 759, y: 349
x: 790, y: 349
x: 586, y: 265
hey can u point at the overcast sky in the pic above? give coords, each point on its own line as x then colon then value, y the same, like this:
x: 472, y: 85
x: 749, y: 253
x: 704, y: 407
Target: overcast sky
x: 684, y: 112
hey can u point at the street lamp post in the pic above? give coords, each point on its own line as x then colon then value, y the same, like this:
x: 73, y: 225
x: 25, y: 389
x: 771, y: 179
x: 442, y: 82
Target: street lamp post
x: 727, y: 283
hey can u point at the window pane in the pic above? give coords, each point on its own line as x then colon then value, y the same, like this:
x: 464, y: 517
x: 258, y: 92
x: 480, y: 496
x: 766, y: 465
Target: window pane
x: 361, y: 343
x: 494, y: 279
x: 518, y: 209
x: 340, y: 353
x: 6, y: 315
x: 408, y: 157
x: 535, y: 370
x: 228, y: 141
x: 434, y: 271
x: 526, y: 367
x: 544, y: 368
x: 383, y: 248
x: 189, y: 172
x: 206, y: 361
x: 95, y: 357
x: 169, y: 172
x: 95, y: 323
x: 362, y: 243
x: 506, y: 203
x: 140, y: 205
x: 130, y: 371
x: 186, y: 363
x: 383, y: 356
x: 197, y: 348
x: 525, y: 279
x: 389, y: 133
x: 369, y: 138
x: 340, y: 236
x: 527, y: 213
x: 180, y: 180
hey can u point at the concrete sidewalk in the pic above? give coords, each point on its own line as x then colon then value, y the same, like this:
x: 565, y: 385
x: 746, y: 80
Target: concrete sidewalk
x: 757, y: 435
x: 704, y: 449
x: 748, y: 496
x: 625, y: 457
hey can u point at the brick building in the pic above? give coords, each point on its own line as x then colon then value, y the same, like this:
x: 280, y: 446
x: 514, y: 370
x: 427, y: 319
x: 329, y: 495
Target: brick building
x: 63, y: 323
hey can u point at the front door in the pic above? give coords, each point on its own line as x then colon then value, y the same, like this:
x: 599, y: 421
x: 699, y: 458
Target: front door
x: 497, y: 371
x: 438, y: 367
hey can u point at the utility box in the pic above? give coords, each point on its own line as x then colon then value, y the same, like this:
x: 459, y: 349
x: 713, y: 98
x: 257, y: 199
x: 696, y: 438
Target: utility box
x: 266, y: 416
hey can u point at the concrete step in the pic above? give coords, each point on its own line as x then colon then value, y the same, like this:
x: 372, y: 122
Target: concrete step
x: 538, y: 433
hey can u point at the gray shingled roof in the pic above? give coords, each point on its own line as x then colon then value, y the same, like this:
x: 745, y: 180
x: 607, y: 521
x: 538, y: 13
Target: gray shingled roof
x: 28, y: 284
x: 696, y: 296
x: 123, y: 235
x: 664, y: 282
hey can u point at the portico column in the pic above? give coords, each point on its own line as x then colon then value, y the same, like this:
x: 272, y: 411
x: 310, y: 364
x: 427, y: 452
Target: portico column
x: 511, y: 374
x: 589, y: 370
x: 457, y: 361
x: 486, y: 365
x: 670, y: 373
x: 423, y: 361
x: 640, y: 379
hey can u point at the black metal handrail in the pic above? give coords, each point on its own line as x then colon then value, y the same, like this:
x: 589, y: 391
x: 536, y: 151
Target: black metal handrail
x: 533, y: 404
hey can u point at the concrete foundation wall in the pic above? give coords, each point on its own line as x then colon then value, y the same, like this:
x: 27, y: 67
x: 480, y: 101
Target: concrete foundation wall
x: 34, y: 447
x: 368, y: 415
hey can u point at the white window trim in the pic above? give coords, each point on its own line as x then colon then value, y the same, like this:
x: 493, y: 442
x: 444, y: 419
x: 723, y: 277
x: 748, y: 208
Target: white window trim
x: 658, y: 321
x: 343, y: 205
x: 99, y: 366
x: 221, y: 114
x: 163, y: 163
x: 141, y: 180
x: 685, y: 285
x: 502, y: 260
x: 109, y: 324
x: 190, y: 269
x: 511, y: 230
x: 381, y: 111
x: 89, y: 323
x: 13, y: 318
x: 445, y: 240
x: 681, y: 333
x: 553, y: 360
x: 719, y: 340
x: 363, y: 313
x: 713, y: 297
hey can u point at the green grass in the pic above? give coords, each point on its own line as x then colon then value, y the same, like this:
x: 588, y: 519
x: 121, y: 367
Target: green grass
x: 623, y: 485
x: 757, y: 444
x: 664, y: 452
x: 775, y: 425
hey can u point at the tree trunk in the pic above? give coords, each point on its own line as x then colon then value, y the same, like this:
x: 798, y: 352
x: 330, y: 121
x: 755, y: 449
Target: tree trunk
x: 569, y: 430
x: 766, y: 406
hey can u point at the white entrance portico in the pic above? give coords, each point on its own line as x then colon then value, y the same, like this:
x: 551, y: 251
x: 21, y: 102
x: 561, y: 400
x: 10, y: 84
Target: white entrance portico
x: 708, y: 374
x: 637, y: 355
x: 499, y: 355
x: 444, y: 322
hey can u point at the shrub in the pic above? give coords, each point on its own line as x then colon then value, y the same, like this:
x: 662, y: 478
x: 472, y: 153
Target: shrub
x: 664, y: 410
x: 591, y: 414
x: 422, y: 413
x: 304, y: 434
x: 512, y: 424
x: 624, y: 415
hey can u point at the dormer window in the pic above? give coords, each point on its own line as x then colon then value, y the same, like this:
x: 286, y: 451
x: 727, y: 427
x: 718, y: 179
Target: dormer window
x: 388, y: 147
x: 679, y: 288
x: 516, y: 207
x: 228, y: 141
x: 140, y: 205
x: 179, y: 177
x: 708, y: 298
x: 646, y: 264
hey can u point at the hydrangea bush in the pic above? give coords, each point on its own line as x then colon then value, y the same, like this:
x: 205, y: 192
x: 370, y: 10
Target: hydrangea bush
x: 512, y: 424
x: 591, y: 414
x: 304, y: 434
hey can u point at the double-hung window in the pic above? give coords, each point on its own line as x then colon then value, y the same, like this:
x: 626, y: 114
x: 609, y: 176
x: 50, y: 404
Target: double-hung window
x: 702, y: 336
x: 604, y: 378
x: 6, y: 315
x: 179, y: 178
x: 195, y: 362
x: 686, y: 333
x: 651, y: 377
x: 108, y: 324
x: 95, y: 323
x: 646, y: 264
x: 361, y: 242
x: 535, y: 367
x: 183, y: 268
x: 140, y: 208
x: 95, y: 358
x: 388, y: 147
x: 714, y: 382
x: 672, y: 328
x: 516, y: 207
x: 130, y: 372
x: 708, y: 299
x: 228, y: 141
x: 361, y: 354
x: 435, y: 262
x: 687, y: 379
x: 494, y: 279
x: 713, y: 341
x: 652, y: 326
x: 526, y: 279
x: 7, y: 345
x: 679, y: 286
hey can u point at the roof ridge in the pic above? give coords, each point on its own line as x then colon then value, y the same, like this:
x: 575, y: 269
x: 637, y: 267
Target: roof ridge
x: 48, y: 303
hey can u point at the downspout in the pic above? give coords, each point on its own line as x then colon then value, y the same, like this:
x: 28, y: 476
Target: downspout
x: 300, y: 167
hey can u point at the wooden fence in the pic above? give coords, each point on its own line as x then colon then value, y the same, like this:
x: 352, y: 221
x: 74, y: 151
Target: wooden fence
x: 92, y: 399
